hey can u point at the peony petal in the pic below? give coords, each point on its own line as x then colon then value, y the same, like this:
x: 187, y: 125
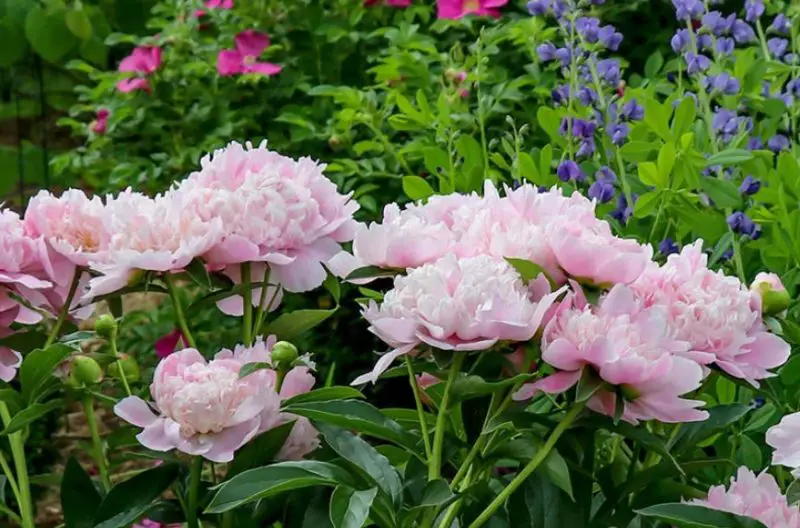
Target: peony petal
x: 135, y: 410
x: 382, y: 364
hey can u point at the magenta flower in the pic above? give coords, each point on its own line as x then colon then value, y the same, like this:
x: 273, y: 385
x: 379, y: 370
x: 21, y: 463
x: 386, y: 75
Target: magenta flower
x: 455, y: 9
x: 214, y: 4
x: 243, y: 59
x: 756, y: 496
x: 143, y: 61
x: 100, y: 125
x: 627, y: 347
x: 167, y: 344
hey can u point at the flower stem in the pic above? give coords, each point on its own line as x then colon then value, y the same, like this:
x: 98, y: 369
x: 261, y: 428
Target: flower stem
x: 112, y: 342
x: 176, y: 303
x: 247, y: 299
x: 526, y: 472
x: 97, y: 444
x: 423, y: 424
x: 23, y: 485
x: 435, y: 462
x: 62, y: 316
x: 194, y: 492
x: 9, y: 476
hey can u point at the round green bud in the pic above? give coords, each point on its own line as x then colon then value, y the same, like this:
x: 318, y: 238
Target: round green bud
x: 105, y: 325
x: 284, y: 353
x: 774, y: 302
x: 85, y: 370
x: 72, y: 382
x: 129, y: 366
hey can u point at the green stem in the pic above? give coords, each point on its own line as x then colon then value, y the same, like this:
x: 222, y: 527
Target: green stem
x: 194, y: 492
x: 279, y: 377
x: 9, y: 476
x: 62, y: 316
x: 176, y: 303
x: 435, y: 462
x: 423, y: 423
x: 261, y: 300
x: 247, y: 299
x: 112, y: 342
x: 18, y: 454
x: 263, y: 315
x: 526, y: 472
x: 763, y: 39
x: 97, y: 444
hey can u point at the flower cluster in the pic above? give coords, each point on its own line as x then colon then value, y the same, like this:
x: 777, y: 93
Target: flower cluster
x: 205, y: 408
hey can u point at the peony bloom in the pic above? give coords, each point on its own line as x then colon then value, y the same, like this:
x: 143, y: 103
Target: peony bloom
x: 454, y: 9
x: 756, y: 496
x: 244, y: 58
x: 451, y: 304
x: 73, y: 225
x: 234, y: 305
x: 785, y: 439
x: 204, y: 407
x: 714, y: 313
x: 10, y: 360
x: 272, y: 209
x: 162, y: 235
x: 627, y: 347
x: 771, y: 292
x: 143, y: 61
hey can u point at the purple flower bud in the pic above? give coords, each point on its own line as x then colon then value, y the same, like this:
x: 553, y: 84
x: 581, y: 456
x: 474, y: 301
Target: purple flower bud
x: 722, y: 83
x: 587, y: 96
x: 725, y: 45
x: 777, y: 47
x: 705, y: 42
x: 696, y: 63
x: 777, y: 143
x: 742, y: 32
x: 563, y: 127
x: 610, y: 37
x: 749, y: 186
x: 569, y: 170
x: 602, y: 191
x: 668, y: 247
x: 718, y: 24
x: 609, y: 70
x: 727, y: 255
x: 632, y: 111
x: 588, y: 27
x: 688, y: 9
x: 623, y: 211
x: 546, y: 51
x: 793, y: 87
x: 582, y: 128
x: 741, y: 223
x: 755, y: 143
x: 564, y: 55
x: 753, y: 9
x: 585, y: 149
x: 619, y: 133
x: 781, y: 25
x: 560, y: 8
x: 560, y: 94
x: 605, y: 174
x: 538, y: 7
x: 680, y: 40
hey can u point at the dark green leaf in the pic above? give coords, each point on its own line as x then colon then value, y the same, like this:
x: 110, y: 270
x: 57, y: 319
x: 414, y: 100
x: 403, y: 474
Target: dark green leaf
x: 24, y: 342
x: 264, y: 482
x: 129, y: 500
x: 729, y: 157
x: 435, y: 493
x: 30, y: 414
x: 719, y: 418
x: 37, y: 369
x: 358, y: 416
x: 528, y: 270
x: 724, y: 193
x: 260, y: 450
x: 349, y: 507
x: 196, y: 270
x: 78, y: 23
x: 290, y: 325
x: 325, y: 394
x: 470, y: 387
x: 48, y: 34
x: 372, y: 272
x: 684, y: 117
x: 79, y: 497
x: 332, y: 285
x: 694, y: 516
x: 12, y: 43
x: 540, y: 503
x: 588, y: 385
x: 722, y: 246
x: 249, y: 368
x: 358, y: 452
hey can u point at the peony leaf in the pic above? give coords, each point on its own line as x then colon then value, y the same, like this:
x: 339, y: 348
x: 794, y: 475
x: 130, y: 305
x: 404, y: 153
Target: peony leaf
x: 695, y: 516
x: 350, y: 508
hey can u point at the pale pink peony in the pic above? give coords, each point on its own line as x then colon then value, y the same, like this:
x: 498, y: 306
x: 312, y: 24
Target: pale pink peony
x: 455, y: 9
x: 244, y: 57
x: 205, y: 408
x: 714, y: 313
x: 160, y: 234
x: 756, y: 496
x: 10, y: 360
x: 73, y: 225
x: 770, y: 280
x: 451, y: 304
x: 785, y: 439
x: 273, y: 209
x: 627, y: 347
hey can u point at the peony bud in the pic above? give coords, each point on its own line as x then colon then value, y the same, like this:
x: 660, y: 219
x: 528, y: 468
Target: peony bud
x: 284, y: 353
x: 85, y: 371
x: 774, y: 297
x: 105, y: 326
x: 129, y: 366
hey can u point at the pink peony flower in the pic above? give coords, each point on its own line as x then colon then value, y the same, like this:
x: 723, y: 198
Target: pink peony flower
x: 161, y: 235
x: 454, y: 9
x: 272, y: 209
x: 769, y: 281
x: 451, y: 304
x: 714, y: 313
x: 204, y: 407
x: 628, y: 347
x: 234, y: 305
x: 10, y: 360
x: 143, y: 61
x: 243, y: 59
x: 100, y: 125
x: 785, y: 439
x: 756, y: 496
x: 770, y: 291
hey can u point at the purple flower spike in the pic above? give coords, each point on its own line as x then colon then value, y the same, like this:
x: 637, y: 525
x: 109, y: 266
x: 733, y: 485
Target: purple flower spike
x: 568, y: 170
x: 668, y: 247
x: 602, y: 191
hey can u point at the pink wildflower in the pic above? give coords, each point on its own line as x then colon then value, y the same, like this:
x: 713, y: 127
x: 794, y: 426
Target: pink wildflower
x: 714, y: 313
x: 167, y: 344
x: 756, y: 496
x: 451, y: 304
x: 143, y: 61
x: 455, y: 9
x: 100, y: 125
x: 785, y: 439
x: 243, y: 59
